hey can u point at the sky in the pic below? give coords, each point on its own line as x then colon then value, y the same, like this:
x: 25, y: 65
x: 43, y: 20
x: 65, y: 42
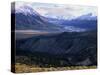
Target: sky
x: 59, y: 10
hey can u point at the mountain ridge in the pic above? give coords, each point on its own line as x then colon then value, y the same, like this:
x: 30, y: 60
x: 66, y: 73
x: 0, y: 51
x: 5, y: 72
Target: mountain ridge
x: 83, y: 44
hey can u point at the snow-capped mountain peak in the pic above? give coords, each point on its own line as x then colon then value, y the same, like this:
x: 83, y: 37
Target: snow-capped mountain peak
x: 88, y: 16
x: 25, y: 9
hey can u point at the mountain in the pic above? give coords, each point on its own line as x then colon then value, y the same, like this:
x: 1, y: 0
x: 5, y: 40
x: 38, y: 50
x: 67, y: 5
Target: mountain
x: 26, y: 18
x: 88, y: 16
x: 55, y: 41
x: 83, y: 22
x: 74, y: 47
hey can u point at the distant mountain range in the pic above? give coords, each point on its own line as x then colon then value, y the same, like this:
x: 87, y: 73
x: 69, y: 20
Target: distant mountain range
x: 88, y: 16
x: 84, y: 22
x: 26, y: 18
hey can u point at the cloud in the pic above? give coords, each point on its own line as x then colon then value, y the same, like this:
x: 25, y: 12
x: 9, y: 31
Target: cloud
x: 67, y: 11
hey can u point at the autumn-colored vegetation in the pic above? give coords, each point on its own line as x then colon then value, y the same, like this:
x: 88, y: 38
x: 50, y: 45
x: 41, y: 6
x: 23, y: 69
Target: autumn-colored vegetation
x: 22, y: 68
